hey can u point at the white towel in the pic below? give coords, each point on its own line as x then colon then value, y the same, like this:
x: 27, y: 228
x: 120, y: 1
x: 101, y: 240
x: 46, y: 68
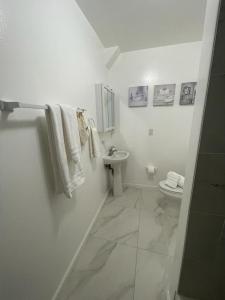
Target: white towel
x: 73, y: 147
x: 64, y: 149
x: 174, y: 179
x: 181, y: 181
x: 94, y: 142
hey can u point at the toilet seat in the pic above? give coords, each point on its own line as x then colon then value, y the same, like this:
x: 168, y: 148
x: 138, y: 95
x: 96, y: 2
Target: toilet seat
x: 177, y: 192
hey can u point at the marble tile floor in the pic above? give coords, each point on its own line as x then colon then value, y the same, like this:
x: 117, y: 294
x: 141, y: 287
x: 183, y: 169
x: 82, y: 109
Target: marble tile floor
x: 129, y: 251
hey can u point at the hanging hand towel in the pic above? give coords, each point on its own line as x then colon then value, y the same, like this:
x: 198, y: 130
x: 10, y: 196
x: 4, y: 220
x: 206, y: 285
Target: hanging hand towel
x: 94, y: 142
x: 64, y: 149
x: 72, y: 142
x: 83, y: 128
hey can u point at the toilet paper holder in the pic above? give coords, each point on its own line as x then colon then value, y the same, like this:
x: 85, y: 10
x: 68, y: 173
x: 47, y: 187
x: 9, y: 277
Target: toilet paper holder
x: 151, y: 170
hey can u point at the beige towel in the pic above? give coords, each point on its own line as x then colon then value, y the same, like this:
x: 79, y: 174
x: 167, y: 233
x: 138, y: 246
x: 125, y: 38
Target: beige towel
x: 83, y: 128
x: 94, y: 143
x: 64, y: 148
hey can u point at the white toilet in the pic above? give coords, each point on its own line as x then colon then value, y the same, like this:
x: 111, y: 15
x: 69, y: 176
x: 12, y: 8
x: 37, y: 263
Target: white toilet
x: 168, y: 191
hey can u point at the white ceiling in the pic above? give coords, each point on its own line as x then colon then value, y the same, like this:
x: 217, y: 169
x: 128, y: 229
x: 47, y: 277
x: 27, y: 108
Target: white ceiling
x: 140, y: 24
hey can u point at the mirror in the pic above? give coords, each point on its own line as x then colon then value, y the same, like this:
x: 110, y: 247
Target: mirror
x: 105, y: 103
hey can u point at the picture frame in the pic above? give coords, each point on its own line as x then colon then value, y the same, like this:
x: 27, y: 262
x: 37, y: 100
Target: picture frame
x: 138, y: 96
x: 188, y: 93
x: 164, y: 95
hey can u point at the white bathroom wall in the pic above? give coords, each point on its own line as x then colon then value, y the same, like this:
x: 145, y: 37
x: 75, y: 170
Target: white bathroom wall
x: 167, y: 147
x: 48, y: 54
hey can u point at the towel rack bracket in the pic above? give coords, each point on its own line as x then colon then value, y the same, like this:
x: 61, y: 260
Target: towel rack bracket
x: 8, y: 106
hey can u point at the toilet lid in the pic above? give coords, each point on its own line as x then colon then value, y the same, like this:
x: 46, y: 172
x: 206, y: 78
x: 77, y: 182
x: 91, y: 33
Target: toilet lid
x: 164, y: 186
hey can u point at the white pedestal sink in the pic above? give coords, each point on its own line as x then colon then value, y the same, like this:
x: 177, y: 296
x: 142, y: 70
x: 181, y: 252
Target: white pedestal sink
x: 115, y: 161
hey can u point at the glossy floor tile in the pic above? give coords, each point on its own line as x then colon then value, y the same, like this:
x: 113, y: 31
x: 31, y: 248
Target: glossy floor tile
x: 105, y: 270
x: 130, y: 198
x: 129, y: 251
x: 157, y: 233
x: 151, y: 274
x: 117, y: 223
x: 158, y: 222
x: 153, y: 200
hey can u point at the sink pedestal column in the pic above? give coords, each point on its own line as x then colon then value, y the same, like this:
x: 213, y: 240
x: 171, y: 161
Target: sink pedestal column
x: 117, y: 180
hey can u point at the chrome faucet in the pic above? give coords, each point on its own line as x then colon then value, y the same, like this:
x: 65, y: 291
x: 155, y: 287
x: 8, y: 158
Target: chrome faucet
x: 112, y: 150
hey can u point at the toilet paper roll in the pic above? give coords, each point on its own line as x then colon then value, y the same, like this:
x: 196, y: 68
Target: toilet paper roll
x: 151, y: 170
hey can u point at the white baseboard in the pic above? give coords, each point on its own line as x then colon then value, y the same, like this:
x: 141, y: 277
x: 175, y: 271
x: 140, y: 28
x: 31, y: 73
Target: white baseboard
x: 69, y: 268
x: 140, y: 186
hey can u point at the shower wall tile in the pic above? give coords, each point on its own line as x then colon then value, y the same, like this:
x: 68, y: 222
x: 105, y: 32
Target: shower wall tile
x: 196, y: 279
x: 204, y: 279
x: 208, y: 198
x: 203, y: 267
x: 218, y: 65
x: 211, y: 169
x: 209, y: 187
x: 212, y: 140
x: 203, y: 237
x: 219, y: 272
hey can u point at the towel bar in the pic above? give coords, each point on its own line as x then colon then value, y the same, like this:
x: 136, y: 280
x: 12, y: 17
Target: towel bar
x: 10, y: 106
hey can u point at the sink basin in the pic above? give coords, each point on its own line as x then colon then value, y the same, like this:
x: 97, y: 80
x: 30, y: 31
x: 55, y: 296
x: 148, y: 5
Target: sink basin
x: 115, y: 161
x: 117, y: 157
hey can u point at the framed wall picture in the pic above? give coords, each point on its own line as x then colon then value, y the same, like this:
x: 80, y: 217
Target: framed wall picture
x: 188, y: 92
x: 138, y: 96
x: 164, y: 95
